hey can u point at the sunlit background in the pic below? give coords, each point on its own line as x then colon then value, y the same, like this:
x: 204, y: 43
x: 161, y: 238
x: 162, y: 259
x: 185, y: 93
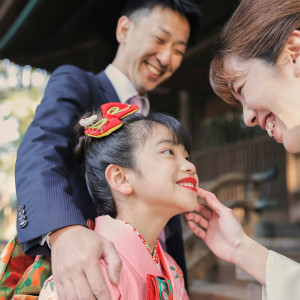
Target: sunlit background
x: 21, y: 90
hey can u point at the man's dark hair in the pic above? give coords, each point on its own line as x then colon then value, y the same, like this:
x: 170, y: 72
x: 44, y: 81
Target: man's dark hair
x: 186, y: 8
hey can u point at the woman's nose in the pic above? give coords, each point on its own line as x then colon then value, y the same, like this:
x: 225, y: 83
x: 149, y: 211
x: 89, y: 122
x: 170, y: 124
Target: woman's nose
x: 250, y: 117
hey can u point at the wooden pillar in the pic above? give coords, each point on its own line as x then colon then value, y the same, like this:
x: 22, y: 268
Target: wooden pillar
x: 184, y: 108
x: 293, y: 186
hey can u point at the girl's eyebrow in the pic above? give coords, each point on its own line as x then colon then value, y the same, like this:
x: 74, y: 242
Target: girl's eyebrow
x: 165, y: 141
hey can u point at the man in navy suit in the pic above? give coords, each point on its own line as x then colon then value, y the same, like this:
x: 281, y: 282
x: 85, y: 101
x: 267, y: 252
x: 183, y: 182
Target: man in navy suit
x: 53, y: 201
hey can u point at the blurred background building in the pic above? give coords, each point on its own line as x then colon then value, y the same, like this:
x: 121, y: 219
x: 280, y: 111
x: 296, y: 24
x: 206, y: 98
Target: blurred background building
x: 245, y: 168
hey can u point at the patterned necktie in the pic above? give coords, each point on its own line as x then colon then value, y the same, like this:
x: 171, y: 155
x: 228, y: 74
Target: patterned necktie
x: 139, y: 101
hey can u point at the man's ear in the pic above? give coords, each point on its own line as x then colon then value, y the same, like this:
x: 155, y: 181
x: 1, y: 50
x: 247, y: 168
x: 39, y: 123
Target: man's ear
x: 122, y: 29
x: 117, y: 179
x: 293, y: 48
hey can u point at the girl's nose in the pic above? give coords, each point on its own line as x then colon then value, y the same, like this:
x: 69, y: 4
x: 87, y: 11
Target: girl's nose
x: 189, y: 167
x: 250, y: 117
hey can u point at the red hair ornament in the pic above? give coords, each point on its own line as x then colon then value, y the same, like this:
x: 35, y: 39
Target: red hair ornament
x: 112, y: 113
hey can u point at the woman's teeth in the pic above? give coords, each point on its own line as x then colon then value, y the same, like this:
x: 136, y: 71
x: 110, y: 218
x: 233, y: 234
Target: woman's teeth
x: 270, y: 129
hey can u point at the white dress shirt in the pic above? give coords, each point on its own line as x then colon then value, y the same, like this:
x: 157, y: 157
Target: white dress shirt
x: 124, y: 88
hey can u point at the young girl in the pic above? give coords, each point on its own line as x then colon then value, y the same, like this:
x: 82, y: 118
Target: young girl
x: 139, y: 175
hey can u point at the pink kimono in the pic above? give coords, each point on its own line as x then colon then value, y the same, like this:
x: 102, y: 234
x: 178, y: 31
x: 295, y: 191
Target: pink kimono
x: 139, y: 273
x: 137, y: 262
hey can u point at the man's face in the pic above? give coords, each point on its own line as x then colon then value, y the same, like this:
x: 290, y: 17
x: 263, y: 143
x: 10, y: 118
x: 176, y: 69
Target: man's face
x: 153, y: 47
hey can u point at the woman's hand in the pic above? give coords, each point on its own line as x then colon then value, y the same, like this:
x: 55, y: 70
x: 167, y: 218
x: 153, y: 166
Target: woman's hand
x: 220, y: 228
x: 222, y: 232
x: 75, y: 255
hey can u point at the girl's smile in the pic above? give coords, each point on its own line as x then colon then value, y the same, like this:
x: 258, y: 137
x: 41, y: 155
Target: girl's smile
x: 188, y: 182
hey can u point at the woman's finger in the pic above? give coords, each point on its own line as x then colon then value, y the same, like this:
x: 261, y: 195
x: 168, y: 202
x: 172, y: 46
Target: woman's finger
x: 198, y: 219
x: 204, y: 211
x: 200, y: 232
x: 211, y: 200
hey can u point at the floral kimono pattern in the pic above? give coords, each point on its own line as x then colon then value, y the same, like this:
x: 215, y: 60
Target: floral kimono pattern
x: 21, y: 276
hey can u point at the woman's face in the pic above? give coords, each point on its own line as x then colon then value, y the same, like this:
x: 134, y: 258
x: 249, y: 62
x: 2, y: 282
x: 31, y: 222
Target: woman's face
x: 269, y: 95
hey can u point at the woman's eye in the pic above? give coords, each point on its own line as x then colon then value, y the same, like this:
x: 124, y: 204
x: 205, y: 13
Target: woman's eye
x: 240, y: 89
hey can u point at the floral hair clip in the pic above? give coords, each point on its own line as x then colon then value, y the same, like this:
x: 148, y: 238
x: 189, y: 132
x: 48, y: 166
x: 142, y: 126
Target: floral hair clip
x: 112, y: 113
x: 84, y: 122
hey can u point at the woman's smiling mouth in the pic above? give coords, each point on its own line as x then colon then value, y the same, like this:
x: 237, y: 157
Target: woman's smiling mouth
x: 270, y: 128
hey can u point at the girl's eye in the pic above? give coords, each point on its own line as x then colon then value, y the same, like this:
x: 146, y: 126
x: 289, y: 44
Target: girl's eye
x: 187, y: 158
x: 169, y: 151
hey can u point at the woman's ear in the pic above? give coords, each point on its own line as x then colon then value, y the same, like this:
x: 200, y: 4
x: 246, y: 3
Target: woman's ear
x: 117, y: 179
x: 122, y: 29
x: 293, y: 48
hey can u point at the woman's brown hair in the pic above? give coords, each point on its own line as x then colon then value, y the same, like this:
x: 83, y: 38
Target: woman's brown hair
x: 257, y: 29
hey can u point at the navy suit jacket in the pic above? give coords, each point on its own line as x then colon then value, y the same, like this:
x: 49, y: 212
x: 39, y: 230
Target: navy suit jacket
x: 51, y: 188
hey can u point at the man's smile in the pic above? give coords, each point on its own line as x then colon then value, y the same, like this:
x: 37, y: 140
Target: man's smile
x: 155, y: 71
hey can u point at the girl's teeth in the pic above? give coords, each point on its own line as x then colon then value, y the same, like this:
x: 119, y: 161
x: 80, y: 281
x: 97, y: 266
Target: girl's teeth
x: 187, y: 184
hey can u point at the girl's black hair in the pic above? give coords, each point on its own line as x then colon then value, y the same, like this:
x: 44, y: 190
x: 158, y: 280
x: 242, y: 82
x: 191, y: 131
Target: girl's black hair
x: 118, y: 148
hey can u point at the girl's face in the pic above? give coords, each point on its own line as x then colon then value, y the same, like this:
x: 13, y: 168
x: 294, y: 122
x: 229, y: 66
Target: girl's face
x: 270, y: 96
x: 167, y: 181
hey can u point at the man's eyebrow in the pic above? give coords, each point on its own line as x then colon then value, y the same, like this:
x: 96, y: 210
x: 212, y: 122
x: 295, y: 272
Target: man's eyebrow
x: 165, y: 31
x: 169, y: 35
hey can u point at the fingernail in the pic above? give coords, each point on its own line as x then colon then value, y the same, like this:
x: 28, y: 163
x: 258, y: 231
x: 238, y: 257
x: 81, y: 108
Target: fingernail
x: 209, y: 195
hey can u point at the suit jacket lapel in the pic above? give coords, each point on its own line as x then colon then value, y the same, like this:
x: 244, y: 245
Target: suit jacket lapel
x: 107, y: 88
